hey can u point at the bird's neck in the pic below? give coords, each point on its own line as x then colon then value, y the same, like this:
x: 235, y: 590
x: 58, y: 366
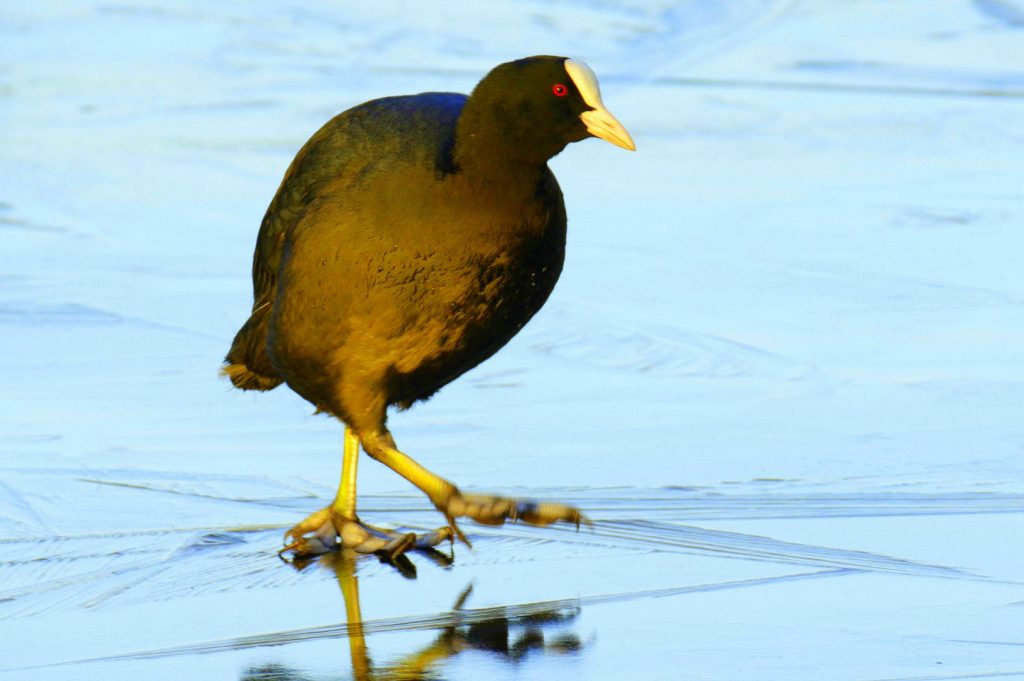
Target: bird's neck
x: 490, y: 147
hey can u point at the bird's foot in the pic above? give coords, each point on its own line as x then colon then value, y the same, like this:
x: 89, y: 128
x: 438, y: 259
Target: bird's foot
x: 494, y: 510
x: 327, y: 530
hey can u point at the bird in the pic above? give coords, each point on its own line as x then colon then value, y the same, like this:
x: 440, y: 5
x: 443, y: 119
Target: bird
x: 409, y: 240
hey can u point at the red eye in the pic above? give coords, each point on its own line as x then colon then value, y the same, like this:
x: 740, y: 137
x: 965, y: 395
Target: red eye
x: 559, y: 90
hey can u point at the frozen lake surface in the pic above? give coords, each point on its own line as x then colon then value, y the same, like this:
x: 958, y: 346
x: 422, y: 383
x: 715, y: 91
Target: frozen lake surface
x: 783, y: 370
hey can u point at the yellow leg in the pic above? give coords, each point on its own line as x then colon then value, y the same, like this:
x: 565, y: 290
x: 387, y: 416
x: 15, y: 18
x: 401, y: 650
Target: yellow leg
x: 345, y: 500
x: 487, y: 509
x: 337, y: 524
x: 381, y: 446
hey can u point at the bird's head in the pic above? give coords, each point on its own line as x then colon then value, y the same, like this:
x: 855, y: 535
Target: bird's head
x: 538, y: 105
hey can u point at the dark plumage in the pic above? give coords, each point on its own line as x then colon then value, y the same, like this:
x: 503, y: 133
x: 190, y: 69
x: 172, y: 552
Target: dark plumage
x: 410, y: 239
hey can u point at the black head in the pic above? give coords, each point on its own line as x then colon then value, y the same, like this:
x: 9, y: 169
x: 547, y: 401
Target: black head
x: 532, y: 108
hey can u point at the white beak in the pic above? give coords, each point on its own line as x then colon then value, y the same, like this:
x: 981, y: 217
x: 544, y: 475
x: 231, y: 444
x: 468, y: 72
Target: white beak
x: 599, y: 121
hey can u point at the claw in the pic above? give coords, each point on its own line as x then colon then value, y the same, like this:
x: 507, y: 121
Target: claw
x: 545, y: 513
x: 494, y: 510
x: 326, y: 531
x: 313, y: 536
x: 432, y: 539
x: 457, y: 531
x: 397, y: 546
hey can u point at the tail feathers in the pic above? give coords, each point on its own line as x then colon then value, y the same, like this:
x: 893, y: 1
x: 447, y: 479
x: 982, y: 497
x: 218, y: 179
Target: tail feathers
x: 242, y: 377
x: 247, y: 364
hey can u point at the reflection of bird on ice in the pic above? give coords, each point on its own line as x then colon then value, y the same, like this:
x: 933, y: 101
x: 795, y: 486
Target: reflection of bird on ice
x: 411, y: 238
x: 503, y: 632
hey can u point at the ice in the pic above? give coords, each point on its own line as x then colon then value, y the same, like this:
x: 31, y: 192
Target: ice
x: 783, y: 370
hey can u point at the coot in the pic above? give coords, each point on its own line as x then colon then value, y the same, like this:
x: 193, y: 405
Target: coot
x: 410, y: 239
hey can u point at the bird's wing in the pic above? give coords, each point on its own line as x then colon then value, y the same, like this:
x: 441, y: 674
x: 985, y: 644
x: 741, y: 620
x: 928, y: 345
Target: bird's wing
x: 323, y: 157
x: 418, y: 125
